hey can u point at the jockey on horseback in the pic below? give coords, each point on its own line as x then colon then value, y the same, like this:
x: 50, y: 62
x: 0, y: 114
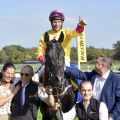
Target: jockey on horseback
x: 57, y: 18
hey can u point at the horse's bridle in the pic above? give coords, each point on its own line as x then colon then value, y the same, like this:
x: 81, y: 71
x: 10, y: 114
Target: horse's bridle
x: 63, y: 88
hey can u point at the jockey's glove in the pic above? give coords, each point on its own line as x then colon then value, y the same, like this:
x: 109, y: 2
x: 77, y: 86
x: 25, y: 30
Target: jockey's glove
x: 41, y: 58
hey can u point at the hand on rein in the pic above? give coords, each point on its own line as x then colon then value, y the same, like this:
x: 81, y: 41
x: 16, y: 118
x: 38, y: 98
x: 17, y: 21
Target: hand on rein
x: 49, y: 90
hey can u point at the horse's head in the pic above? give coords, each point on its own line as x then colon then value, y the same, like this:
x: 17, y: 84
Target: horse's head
x: 55, y: 62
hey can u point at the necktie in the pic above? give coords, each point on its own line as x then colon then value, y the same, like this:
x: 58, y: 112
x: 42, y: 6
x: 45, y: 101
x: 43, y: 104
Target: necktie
x: 22, y: 98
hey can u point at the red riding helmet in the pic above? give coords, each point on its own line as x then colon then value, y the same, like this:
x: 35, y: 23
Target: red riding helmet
x: 56, y: 15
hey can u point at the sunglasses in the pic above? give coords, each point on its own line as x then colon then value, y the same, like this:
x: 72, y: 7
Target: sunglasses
x: 25, y: 74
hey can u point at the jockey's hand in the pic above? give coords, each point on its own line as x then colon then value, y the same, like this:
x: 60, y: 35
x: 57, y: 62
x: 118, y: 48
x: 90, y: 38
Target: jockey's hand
x: 82, y: 22
x: 80, y: 25
x: 41, y: 58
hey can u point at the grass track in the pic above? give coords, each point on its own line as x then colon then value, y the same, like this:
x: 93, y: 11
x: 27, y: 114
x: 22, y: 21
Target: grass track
x: 39, y: 117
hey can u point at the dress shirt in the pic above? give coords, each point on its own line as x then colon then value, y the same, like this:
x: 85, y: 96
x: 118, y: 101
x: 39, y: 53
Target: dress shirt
x: 98, y: 85
x: 103, y: 111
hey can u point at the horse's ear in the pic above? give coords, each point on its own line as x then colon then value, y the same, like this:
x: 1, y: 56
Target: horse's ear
x: 61, y: 38
x: 46, y: 37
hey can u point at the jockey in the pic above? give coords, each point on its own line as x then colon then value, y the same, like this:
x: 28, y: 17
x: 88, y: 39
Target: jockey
x: 57, y: 18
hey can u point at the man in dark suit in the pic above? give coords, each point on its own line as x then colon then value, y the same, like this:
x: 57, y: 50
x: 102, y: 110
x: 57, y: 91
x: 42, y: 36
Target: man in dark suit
x: 106, y: 84
x: 26, y: 102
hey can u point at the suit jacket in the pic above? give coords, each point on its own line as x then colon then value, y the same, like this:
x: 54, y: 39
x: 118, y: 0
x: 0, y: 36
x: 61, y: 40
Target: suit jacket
x: 29, y: 110
x: 110, y: 92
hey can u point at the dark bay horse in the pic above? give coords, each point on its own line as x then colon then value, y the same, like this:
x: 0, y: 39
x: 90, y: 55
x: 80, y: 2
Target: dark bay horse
x: 54, y: 76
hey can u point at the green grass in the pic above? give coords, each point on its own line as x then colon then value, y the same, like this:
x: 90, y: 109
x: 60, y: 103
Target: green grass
x: 39, y: 117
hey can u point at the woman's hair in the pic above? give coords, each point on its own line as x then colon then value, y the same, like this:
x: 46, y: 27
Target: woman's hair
x: 5, y: 67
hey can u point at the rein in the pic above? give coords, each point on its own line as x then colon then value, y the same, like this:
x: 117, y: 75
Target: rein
x: 65, y: 90
x: 43, y: 63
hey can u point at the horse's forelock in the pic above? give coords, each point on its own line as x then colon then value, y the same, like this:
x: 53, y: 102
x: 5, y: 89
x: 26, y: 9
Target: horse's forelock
x: 55, y: 53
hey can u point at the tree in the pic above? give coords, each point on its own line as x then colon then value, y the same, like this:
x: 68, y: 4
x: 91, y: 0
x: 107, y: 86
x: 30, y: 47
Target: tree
x: 73, y: 55
x: 19, y: 54
x: 116, y: 47
x: 3, y: 56
x: 19, y: 57
x: 93, y: 52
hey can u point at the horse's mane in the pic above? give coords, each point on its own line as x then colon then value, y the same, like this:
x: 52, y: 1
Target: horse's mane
x: 55, y: 53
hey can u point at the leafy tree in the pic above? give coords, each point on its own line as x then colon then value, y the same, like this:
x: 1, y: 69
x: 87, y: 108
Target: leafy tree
x: 19, y: 54
x: 73, y: 55
x: 32, y: 52
x: 10, y: 52
x: 93, y: 52
x: 20, y: 48
x: 20, y: 57
x: 116, y: 47
x: 3, y: 56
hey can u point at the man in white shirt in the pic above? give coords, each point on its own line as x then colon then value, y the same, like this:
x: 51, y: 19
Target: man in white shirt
x: 89, y: 107
x: 106, y: 84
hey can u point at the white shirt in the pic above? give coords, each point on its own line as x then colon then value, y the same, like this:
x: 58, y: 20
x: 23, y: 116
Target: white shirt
x: 98, y: 85
x: 103, y: 111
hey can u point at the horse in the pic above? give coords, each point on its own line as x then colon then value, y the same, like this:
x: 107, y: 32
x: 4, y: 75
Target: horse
x: 63, y: 89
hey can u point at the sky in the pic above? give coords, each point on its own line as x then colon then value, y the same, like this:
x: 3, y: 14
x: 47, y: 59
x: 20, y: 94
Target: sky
x: 22, y: 22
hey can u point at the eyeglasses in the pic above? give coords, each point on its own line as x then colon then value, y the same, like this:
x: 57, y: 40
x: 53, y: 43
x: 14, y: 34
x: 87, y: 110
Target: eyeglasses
x: 25, y: 74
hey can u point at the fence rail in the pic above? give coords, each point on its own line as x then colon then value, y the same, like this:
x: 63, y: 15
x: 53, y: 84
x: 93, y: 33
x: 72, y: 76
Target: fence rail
x: 83, y: 67
x: 36, y: 66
